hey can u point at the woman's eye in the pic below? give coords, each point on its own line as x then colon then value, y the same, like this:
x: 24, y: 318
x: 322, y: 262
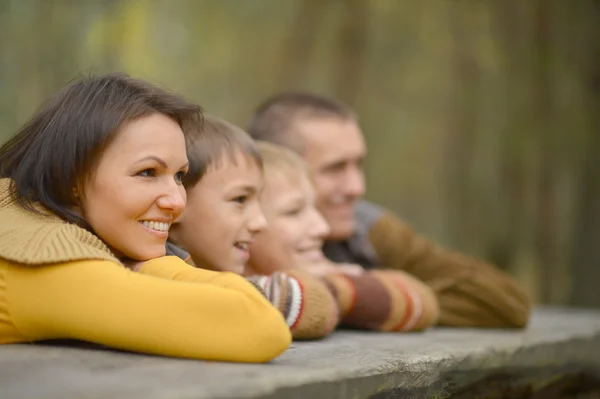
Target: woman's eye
x: 147, y: 173
x: 179, y: 177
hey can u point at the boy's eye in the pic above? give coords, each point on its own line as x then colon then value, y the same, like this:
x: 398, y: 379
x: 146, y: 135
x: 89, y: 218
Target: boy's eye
x: 241, y: 199
x: 179, y: 177
x: 147, y: 173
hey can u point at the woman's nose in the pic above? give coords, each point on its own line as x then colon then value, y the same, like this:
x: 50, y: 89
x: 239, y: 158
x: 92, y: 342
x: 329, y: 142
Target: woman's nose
x: 173, y: 199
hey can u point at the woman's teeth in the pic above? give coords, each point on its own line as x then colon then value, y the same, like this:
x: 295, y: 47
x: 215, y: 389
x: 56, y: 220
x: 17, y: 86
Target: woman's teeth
x: 158, y: 226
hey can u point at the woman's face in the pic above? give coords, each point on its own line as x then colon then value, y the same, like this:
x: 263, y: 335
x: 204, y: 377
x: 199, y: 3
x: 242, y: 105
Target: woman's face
x: 136, y: 192
x: 293, y: 221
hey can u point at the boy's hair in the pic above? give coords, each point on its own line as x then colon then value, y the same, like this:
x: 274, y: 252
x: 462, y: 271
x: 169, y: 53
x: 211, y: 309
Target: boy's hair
x: 279, y: 158
x: 275, y: 118
x: 59, y: 148
x: 218, y: 140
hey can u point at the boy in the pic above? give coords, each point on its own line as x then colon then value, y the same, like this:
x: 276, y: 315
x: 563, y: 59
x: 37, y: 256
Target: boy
x: 378, y: 300
x: 223, y: 215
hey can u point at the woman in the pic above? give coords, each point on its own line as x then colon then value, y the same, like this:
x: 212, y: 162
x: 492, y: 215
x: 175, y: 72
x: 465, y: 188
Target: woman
x: 88, y: 190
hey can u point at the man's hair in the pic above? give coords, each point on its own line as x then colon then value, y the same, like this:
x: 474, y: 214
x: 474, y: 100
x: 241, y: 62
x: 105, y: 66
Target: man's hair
x: 217, y: 141
x: 50, y: 158
x: 275, y: 118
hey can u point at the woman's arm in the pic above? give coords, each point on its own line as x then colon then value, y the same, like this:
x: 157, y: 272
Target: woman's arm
x: 186, y: 312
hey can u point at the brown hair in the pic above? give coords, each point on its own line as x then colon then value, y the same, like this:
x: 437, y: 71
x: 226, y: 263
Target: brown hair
x: 274, y: 119
x: 218, y: 140
x: 53, y: 154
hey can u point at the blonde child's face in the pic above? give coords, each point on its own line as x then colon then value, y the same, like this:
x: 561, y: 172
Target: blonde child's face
x: 288, y: 201
x: 223, y: 215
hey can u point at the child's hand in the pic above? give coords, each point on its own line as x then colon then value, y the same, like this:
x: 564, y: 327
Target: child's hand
x: 133, y: 265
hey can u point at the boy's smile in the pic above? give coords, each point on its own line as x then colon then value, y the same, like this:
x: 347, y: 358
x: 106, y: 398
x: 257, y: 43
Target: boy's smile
x: 223, y: 215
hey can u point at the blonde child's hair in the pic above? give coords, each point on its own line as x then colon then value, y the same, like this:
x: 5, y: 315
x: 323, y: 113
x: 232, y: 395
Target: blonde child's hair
x: 277, y: 158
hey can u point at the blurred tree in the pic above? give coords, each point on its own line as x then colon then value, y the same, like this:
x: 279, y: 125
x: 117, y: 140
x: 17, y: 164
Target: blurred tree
x: 350, y: 62
x: 481, y: 117
x: 300, y: 42
x: 585, y: 255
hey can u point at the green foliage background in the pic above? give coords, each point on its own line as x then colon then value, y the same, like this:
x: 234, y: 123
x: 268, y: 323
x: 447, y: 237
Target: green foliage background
x: 481, y: 117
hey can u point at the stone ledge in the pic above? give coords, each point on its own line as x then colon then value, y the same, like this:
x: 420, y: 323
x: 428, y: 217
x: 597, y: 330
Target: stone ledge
x: 560, y: 346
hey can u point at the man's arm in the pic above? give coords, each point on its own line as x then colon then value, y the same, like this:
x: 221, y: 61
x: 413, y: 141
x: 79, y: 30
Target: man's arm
x: 471, y: 293
x: 383, y: 300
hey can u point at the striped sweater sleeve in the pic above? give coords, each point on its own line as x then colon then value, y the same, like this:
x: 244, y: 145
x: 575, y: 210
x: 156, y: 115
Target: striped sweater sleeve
x: 305, y: 302
x: 383, y: 300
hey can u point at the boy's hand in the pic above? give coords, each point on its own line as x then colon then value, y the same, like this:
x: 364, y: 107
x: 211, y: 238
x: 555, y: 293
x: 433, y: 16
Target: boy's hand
x: 133, y: 265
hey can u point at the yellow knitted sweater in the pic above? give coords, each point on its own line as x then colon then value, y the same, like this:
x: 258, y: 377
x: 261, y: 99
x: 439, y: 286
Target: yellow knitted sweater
x: 60, y: 281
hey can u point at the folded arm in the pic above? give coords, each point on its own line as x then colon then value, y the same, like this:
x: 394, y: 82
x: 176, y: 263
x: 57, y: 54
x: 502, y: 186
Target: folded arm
x: 168, y: 308
x: 470, y: 292
x: 383, y: 300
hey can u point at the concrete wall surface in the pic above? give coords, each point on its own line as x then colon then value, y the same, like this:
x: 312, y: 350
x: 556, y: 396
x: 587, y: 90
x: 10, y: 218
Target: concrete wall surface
x: 556, y: 356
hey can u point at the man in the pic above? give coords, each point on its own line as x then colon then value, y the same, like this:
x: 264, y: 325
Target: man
x: 326, y: 134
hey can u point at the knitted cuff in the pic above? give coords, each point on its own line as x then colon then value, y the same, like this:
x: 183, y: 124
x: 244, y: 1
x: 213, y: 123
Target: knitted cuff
x: 320, y: 312
x: 384, y: 301
x: 307, y: 306
x: 284, y: 292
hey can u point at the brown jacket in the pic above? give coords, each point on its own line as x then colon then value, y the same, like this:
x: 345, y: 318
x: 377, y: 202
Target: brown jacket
x: 471, y: 293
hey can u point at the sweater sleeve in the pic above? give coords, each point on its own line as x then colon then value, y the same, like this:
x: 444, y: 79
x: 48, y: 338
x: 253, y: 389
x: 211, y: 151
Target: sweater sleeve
x: 305, y: 302
x: 471, y: 293
x: 384, y: 300
x: 169, y: 308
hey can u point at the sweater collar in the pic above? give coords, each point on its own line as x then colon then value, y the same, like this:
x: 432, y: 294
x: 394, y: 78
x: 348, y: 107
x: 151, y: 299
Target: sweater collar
x: 32, y: 238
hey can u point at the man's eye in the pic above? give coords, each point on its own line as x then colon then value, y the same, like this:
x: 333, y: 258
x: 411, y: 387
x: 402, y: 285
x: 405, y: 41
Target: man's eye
x: 147, y: 173
x: 335, y: 168
x: 179, y: 177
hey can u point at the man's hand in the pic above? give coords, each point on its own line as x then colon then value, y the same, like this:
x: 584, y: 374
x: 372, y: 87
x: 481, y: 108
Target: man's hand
x: 327, y: 267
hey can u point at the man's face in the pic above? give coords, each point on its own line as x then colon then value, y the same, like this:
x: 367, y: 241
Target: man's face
x: 334, y: 149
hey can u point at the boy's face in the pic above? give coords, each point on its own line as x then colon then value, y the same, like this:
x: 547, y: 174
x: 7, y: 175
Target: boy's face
x: 223, y: 215
x: 293, y: 221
